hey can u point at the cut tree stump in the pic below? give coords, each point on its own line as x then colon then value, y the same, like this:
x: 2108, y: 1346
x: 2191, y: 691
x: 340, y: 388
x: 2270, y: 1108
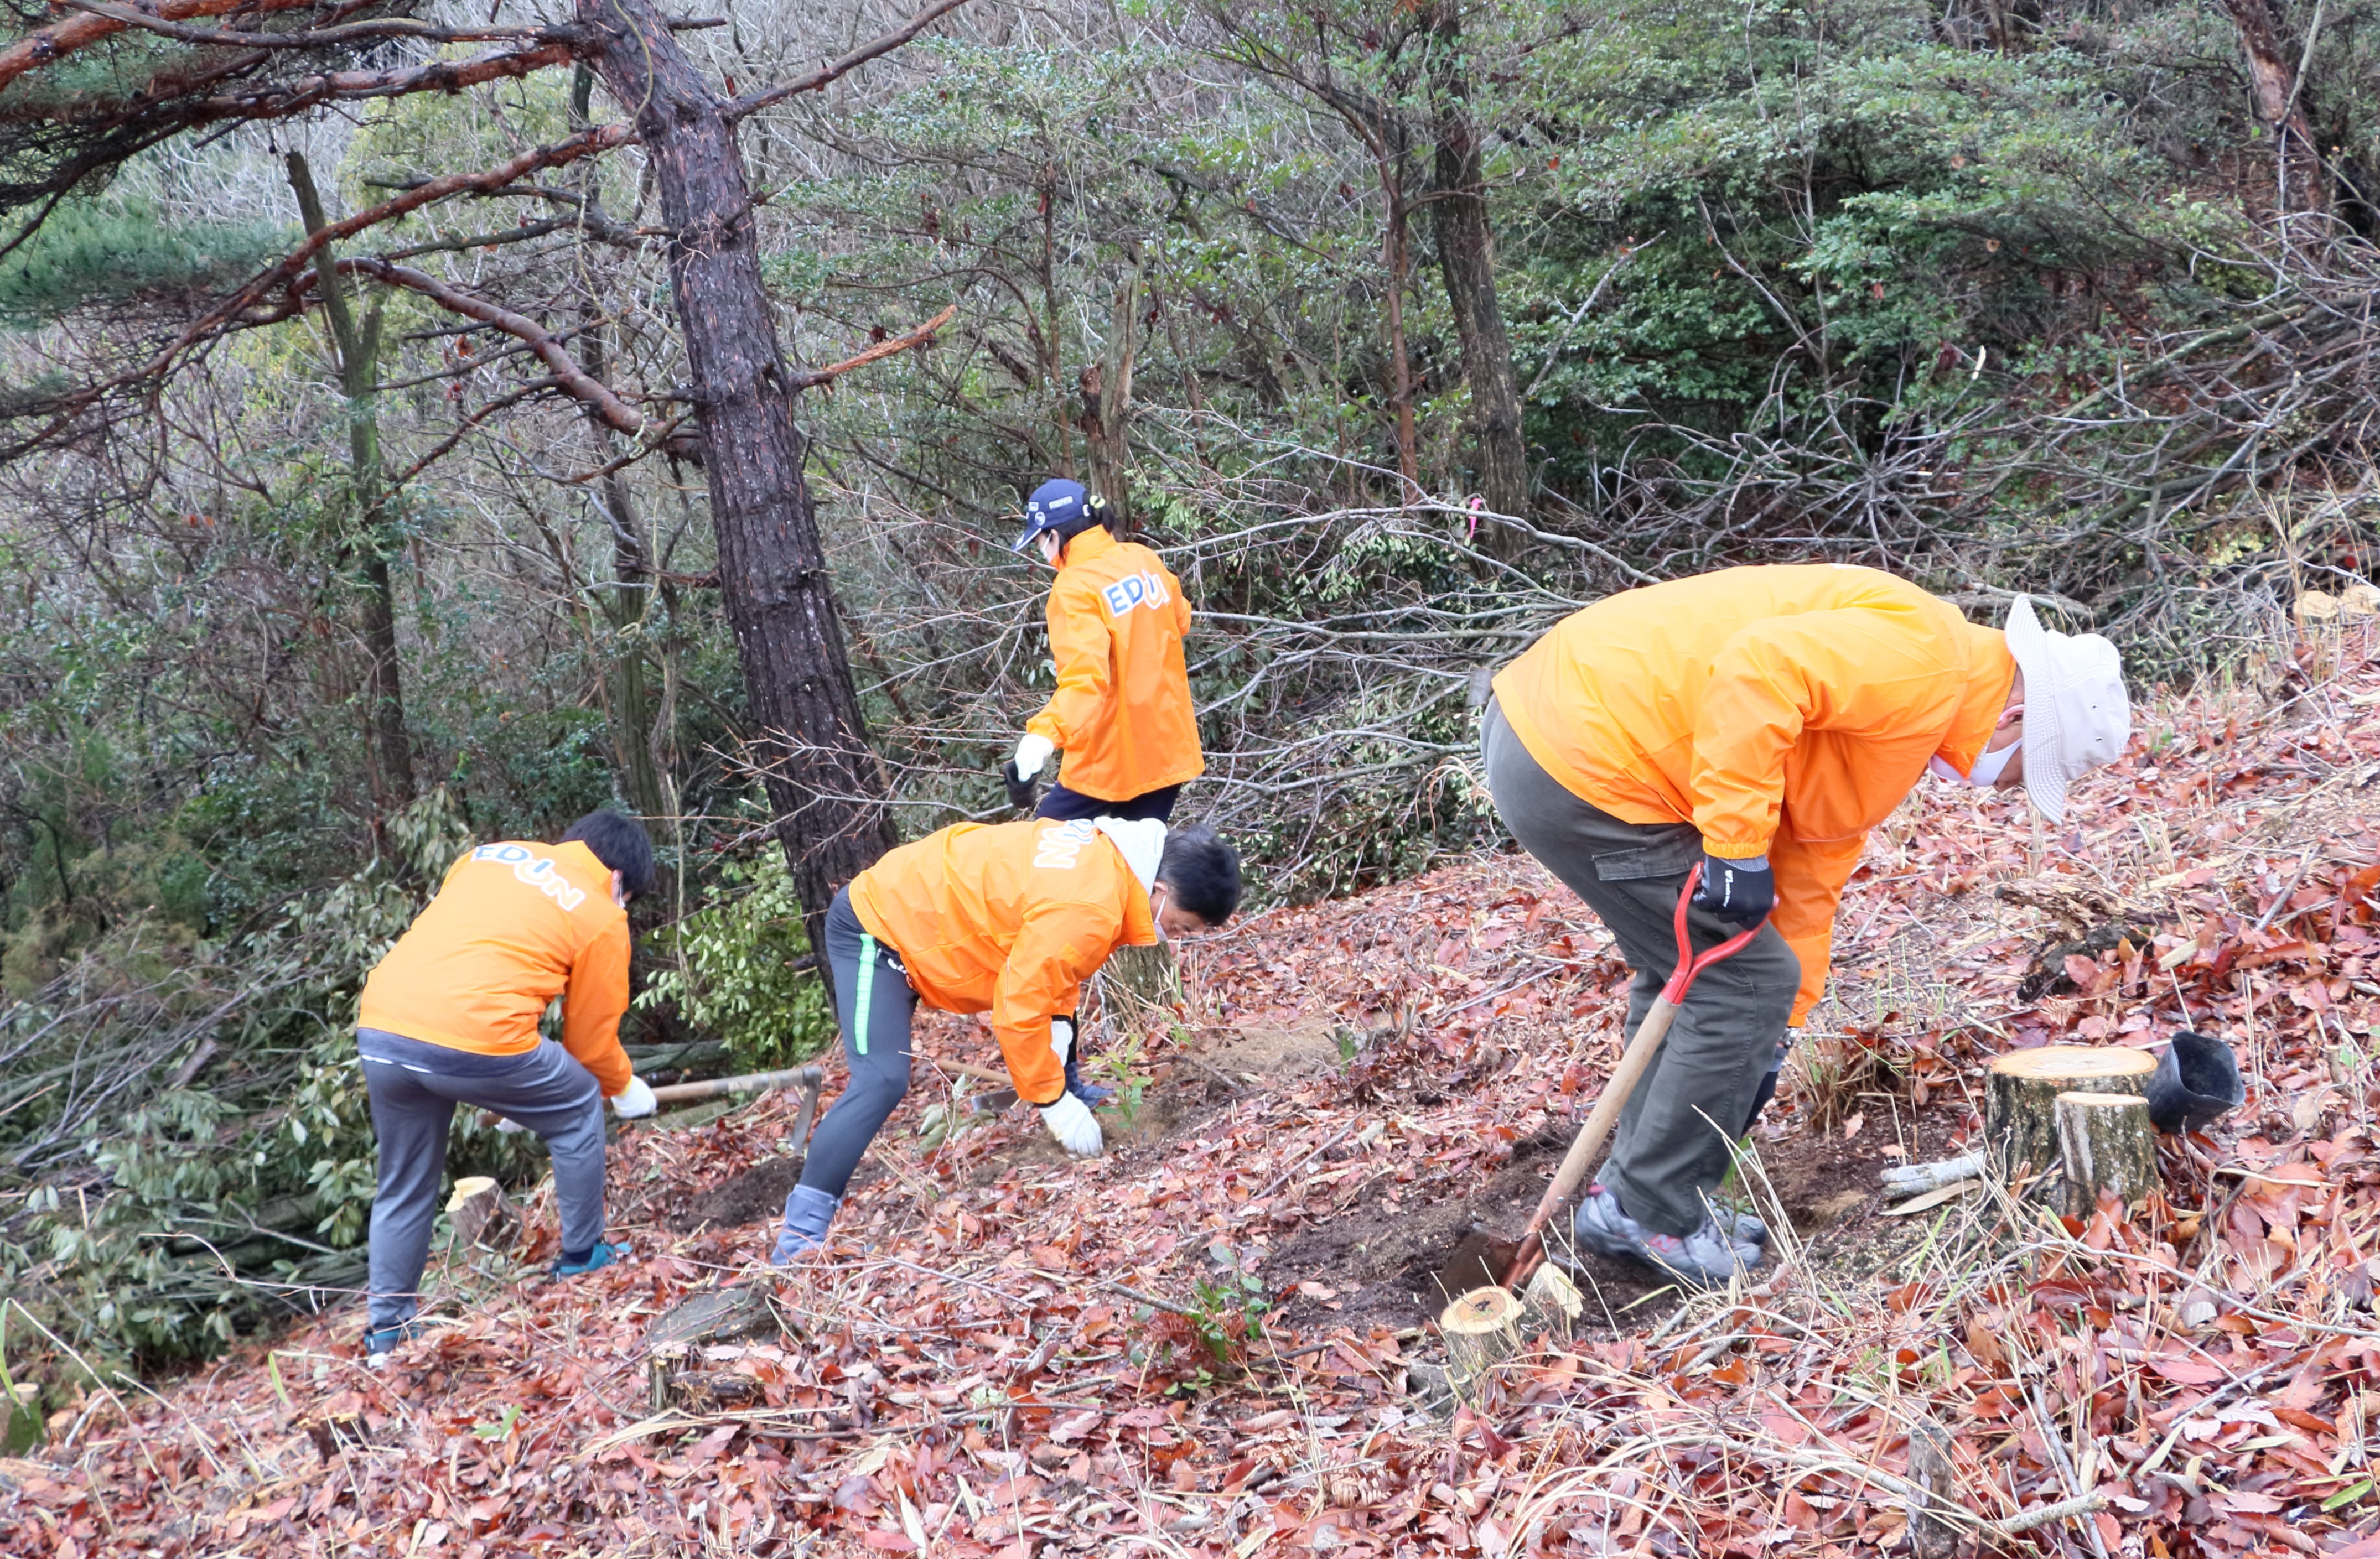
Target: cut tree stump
x: 2106, y: 1145
x: 2021, y: 1093
x: 716, y: 1316
x: 480, y: 1212
x: 1482, y: 1329
x: 1551, y: 1303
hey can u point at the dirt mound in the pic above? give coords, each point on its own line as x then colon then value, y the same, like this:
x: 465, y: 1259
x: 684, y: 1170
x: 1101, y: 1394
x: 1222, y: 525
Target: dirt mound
x: 757, y: 1193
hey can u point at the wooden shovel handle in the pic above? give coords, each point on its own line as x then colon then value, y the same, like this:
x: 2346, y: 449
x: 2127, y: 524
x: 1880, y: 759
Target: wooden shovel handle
x: 751, y: 1082
x: 1605, y: 1114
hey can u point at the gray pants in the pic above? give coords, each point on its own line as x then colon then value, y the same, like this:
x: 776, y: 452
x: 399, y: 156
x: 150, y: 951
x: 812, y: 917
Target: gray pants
x: 1672, y: 1149
x: 415, y: 1088
x: 875, y: 1043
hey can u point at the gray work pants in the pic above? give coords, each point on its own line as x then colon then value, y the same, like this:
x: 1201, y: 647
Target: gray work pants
x: 414, y: 1089
x: 875, y: 1043
x: 1670, y: 1151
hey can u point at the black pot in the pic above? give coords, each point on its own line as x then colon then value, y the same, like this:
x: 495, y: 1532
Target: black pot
x: 2196, y: 1083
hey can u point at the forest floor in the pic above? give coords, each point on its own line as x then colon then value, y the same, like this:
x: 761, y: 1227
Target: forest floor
x: 1213, y: 1341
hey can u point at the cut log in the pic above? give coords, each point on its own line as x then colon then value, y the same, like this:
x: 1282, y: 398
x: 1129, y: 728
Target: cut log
x: 1482, y: 1329
x: 480, y: 1212
x: 2106, y: 1145
x: 717, y: 1315
x: 2021, y: 1091
x: 1930, y: 1535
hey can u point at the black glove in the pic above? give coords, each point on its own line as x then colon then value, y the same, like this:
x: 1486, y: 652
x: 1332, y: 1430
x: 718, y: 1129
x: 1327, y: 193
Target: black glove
x: 1020, y: 792
x: 1740, y: 892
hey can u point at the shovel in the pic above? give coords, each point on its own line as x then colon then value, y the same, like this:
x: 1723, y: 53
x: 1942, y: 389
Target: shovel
x: 1649, y: 1035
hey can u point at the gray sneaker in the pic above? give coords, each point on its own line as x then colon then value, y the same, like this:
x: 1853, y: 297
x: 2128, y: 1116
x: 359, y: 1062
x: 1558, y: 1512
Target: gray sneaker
x: 1707, y: 1258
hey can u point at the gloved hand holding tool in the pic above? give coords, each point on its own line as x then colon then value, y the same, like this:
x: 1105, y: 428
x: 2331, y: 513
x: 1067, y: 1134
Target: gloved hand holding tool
x: 1077, y: 1130
x: 1639, y: 1056
x: 636, y: 1101
x: 1740, y: 893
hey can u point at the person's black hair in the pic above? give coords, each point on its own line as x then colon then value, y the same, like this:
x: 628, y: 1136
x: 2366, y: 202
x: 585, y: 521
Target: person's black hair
x: 618, y: 842
x: 1203, y: 870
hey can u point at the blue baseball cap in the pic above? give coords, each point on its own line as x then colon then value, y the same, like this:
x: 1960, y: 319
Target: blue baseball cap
x: 1060, y: 506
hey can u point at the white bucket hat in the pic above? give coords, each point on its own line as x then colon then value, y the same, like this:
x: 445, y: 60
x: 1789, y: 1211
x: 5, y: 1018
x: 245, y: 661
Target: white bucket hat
x: 2076, y: 716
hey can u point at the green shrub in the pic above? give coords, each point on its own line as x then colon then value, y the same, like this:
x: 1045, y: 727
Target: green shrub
x: 739, y: 968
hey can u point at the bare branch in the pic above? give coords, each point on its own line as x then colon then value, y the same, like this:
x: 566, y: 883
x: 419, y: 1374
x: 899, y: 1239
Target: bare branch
x: 615, y: 412
x: 752, y: 103
x: 877, y: 353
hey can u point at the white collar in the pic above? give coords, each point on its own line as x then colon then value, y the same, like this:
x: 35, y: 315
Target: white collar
x: 1141, y: 841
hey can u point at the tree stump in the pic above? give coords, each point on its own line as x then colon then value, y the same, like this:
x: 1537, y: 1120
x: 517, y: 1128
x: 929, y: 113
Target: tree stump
x: 480, y: 1212
x: 716, y: 1316
x: 1482, y: 1329
x: 2105, y: 1144
x: 2021, y: 1091
x: 1551, y: 1303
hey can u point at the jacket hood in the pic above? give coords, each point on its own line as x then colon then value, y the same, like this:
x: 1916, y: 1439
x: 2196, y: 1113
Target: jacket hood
x: 1141, y: 841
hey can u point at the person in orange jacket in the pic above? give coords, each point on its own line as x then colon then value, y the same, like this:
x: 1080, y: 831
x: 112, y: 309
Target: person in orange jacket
x: 1756, y: 724
x: 1122, y: 712
x: 1008, y: 919
x: 450, y: 1016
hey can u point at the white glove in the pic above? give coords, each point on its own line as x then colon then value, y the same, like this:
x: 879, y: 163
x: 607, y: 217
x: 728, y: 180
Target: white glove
x: 507, y: 1125
x: 634, y: 1101
x: 1062, y: 1038
x: 1078, y: 1131
x: 1033, y: 750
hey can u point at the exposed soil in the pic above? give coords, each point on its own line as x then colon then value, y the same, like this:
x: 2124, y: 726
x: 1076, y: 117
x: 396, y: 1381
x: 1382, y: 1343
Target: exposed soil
x: 1386, y: 1267
x: 758, y: 1193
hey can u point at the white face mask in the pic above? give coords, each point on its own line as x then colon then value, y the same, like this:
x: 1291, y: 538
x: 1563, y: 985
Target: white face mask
x: 1988, y: 767
x: 1156, y: 913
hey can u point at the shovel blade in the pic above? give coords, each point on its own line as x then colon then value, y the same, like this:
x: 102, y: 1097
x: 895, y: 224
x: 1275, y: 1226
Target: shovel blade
x: 1482, y: 1261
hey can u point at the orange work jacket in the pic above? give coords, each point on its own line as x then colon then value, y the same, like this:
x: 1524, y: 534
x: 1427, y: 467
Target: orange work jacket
x: 1783, y: 711
x: 514, y: 924
x: 1122, y: 713
x: 1008, y: 919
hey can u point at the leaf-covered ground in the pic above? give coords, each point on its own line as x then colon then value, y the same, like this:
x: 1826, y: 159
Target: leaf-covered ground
x: 1009, y: 1354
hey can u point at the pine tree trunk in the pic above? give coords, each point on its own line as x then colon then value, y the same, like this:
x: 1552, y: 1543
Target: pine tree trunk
x: 2302, y: 183
x: 823, y: 780
x: 1466, y: 257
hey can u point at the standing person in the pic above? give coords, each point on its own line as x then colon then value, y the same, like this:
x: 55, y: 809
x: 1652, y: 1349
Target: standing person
x: 1122, y: 712
x: 1008, y: 919
x: 450, y: 1016
x: 1758, y: 722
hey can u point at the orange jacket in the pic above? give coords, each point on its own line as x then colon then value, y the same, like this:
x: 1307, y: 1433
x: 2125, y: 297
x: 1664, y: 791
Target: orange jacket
x: 514, y: 924
x: 1783, y: 711
x: 1009, y: 919
x: 1122, y: 712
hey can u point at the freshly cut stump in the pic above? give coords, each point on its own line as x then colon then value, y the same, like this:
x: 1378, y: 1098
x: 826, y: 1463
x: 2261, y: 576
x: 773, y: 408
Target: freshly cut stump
x: 2021, y: 1093
x: 480, y: 1212
x: 2105, y: 1144
x: 1551, y: 1303
x: 1482, y: 1329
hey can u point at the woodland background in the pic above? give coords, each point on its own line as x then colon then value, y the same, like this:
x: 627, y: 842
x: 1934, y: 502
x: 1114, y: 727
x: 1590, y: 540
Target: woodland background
x: 1401, y: 329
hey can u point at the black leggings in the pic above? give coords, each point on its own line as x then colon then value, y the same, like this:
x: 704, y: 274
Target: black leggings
x: 1066, y: 805
x: 875, y: 1043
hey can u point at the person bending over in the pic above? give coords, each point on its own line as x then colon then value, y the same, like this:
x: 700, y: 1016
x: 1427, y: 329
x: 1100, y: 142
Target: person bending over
x: 1122, y: 712
x: 1008, y: 919
x: 1758, y: 722
x: 450, y: 1016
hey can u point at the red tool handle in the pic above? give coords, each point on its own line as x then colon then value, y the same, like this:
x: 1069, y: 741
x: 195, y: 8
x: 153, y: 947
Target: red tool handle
x: 1683, y: 978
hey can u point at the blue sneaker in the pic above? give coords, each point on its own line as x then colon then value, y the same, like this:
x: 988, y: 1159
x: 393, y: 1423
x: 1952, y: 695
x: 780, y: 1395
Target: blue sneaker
x: 383, y: 1339
x: 1091, y: 1093
x: 603, y: 1255
x: 808, y: 1211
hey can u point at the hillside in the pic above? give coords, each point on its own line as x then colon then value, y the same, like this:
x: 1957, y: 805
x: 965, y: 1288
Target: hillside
x: 1009, y: 1354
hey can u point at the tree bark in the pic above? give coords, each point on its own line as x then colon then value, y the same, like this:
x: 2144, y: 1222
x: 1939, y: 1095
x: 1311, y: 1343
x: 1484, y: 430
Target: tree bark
x: 388, y: 753
x: 1467, y: 258
x: 2021, y: 1090
x: 2105, y: 1144
x: 823, y: 780
x: 2281, y: 103
x: 1106, y: 388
